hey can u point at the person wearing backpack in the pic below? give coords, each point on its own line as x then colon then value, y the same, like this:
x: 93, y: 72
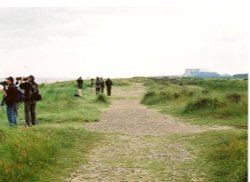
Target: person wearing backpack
x: 109, y: 84
x: 10, y: 99
x: 102, y: 85
x: 31, y: 96
x: 97, y: 85
x: 91, y: 84
x: 80, y: 82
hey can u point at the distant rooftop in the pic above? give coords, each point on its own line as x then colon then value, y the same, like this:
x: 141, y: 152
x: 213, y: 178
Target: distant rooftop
x: 200, y: 73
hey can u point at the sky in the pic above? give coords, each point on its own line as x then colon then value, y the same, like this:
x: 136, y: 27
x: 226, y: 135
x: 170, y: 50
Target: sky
x: 122, y: 41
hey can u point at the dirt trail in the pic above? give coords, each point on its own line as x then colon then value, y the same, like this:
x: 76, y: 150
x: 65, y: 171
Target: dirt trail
x: 136, y: 141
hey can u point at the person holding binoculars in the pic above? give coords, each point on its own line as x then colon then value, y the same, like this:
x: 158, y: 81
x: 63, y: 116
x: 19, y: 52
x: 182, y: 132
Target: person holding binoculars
x: 10, y: 93
x: 31, y: 96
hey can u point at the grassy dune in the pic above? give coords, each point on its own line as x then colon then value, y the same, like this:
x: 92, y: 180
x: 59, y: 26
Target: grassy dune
x: 223, y: 155
x: 58, y: 144
x: 199, y: 101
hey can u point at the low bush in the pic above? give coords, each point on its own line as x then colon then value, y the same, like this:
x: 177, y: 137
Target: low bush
x: 205, y: 91
x: 152, y: 98
x: 234, y: 97
x: 176, y: 95
x: 102, y: 98
x: 186, y: 92
x: 202, y: 104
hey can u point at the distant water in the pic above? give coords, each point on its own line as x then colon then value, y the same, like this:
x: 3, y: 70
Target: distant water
x: 53, y: 80
x: 49, y: 80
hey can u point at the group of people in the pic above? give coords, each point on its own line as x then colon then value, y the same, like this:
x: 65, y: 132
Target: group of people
x: 26, y: 91
x: 99, y: 84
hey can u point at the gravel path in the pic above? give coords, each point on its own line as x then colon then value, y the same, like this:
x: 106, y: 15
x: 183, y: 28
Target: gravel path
x: 129, y: 117
x: 136, y: 141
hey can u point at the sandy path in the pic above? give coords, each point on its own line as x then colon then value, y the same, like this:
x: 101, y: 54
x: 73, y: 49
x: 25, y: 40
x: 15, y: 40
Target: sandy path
x: 136, y: 139
x: 129, y: 117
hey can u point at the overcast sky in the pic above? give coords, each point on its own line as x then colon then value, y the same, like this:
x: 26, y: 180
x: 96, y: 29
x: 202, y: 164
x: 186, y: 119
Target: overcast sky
x: 122, y: 42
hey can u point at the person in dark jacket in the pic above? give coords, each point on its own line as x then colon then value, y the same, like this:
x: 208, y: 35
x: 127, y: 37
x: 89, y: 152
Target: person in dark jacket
x: 102, y: 85
x: 97, y: 85
x: 109, y: 84
x: 91, y: 84
x: 79, y: 86
x: 10, y: 98
x: 31, y: 91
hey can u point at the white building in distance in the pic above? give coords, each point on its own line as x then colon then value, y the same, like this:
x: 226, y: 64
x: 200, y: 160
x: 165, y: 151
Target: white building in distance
x: 191, y: 72
x: 200, y: 73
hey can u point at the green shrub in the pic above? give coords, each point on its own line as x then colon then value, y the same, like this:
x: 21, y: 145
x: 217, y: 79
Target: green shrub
x: 232, y: 108
x: 231, y: 160
x: 102, y: 98
x: 152, y: 98
x: 205, y: 91
x: 150, y: 94
x: 234, y: 97
x: 186, y: 92
x: 176, y: 95
x: 202, y: 104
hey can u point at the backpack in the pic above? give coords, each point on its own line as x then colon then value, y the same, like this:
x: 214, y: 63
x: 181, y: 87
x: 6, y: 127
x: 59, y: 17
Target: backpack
x: 20, y: 96
x: 34, y: 92
x: 98, y: 83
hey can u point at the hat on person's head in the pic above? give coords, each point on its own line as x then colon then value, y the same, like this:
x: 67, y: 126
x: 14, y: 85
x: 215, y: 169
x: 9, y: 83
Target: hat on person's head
x: 10, y: 79
x: 32, y: 77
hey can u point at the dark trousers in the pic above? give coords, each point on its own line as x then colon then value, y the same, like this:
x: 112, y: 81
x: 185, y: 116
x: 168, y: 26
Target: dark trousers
x: 102, y: 89
x: 109, y: 91
x: 30, y: 112
x: 97, y: 90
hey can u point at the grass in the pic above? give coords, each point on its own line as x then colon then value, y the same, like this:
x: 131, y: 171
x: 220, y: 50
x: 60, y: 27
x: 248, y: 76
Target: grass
x: 121, y: 82
x: 221, y: 156
x: 222, y: 102
x: 27, y: 155
x: 59, y: 97
x: 59, y: 144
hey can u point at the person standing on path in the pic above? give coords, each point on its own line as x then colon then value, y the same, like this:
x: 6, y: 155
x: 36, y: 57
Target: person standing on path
x: 91, y: 84
x: 31, y: 93
x: 109, y: 84
x: 79, y: 86
x: 102, y: 85
x: 97, y: 85
x: 10, y: 99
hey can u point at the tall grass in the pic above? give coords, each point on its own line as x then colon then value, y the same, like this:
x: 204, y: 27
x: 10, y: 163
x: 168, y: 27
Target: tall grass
x: 121, y: 82
x: 25, y: 154
x: 223, y: 154
x: 221, y: 100
x: 28, y: 154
